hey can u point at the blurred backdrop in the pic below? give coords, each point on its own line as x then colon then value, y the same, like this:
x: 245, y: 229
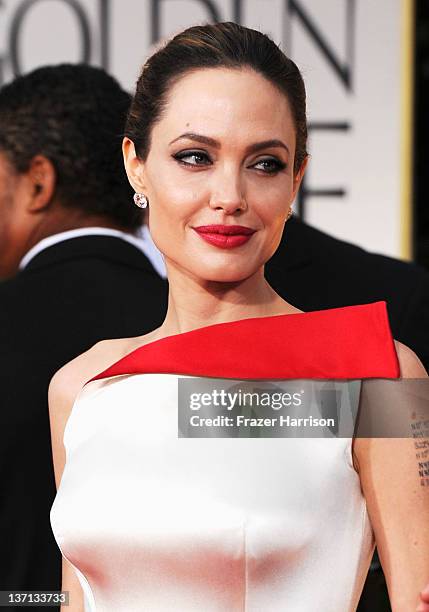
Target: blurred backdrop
x: 421, y: 134
x: 366, y: 68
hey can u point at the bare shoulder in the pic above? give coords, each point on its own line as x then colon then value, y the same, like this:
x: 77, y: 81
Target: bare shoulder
x: 410, y: 365
x: 67, y: 382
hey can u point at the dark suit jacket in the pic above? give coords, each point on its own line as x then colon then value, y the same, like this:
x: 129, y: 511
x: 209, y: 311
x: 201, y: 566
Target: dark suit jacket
x: 71, y: 295
x: 314, y: 271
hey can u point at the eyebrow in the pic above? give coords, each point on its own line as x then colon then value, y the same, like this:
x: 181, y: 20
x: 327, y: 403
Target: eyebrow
x: 253, y: 148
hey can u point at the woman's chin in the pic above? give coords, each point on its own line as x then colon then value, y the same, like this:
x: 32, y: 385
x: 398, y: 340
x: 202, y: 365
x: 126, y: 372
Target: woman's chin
x: 216, y: 268
x: 224, y: 274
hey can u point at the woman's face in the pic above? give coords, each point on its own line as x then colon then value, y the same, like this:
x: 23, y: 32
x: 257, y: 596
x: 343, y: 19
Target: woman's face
x: 222, y: 155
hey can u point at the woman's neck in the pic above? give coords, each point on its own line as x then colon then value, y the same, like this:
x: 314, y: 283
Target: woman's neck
x: 192, y: 304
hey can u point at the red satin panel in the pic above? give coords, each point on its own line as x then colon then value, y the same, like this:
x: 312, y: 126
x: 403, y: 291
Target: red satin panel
x: 337, y: 343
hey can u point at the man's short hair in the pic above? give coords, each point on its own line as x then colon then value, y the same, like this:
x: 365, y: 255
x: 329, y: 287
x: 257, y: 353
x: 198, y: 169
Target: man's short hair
x: 74, y: 115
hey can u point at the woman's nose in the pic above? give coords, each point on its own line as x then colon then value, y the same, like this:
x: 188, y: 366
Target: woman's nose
x: 227, y: 194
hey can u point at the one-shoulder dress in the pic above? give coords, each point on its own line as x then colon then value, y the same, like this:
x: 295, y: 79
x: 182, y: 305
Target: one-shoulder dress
x: 156, y: 518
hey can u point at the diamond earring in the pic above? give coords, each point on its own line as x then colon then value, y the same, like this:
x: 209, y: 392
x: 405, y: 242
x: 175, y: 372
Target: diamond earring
x: 140, y: 200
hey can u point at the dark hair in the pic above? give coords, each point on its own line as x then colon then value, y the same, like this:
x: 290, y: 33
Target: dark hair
x: 219, y: 45
x: 74, y: 115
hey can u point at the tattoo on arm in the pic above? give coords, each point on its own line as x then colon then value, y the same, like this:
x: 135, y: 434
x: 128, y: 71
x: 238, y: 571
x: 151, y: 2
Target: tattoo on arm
x: 420, y: 433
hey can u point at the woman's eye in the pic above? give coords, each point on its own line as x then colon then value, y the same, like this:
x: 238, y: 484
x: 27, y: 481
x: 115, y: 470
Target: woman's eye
x: 197, y: 155
x: 272, y: 165
x: 269, y: 165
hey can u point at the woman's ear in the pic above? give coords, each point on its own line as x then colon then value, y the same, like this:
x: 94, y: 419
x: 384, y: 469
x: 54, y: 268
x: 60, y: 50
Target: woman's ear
x: 297, y: 179
x: 134, y: 167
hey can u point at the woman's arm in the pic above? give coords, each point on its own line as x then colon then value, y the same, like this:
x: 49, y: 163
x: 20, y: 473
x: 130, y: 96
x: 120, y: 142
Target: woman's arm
x: 62, y: 391
x: 424, y: 600
x: 71, y: 584
x: 398, y: 504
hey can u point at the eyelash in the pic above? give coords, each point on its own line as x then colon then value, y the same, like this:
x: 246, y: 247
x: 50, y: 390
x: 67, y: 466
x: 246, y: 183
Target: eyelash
x: 180, y: 157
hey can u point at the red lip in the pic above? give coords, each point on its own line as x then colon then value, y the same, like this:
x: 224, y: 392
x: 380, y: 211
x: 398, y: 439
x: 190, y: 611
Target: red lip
x: 225, y: 236
x: 229, y: 230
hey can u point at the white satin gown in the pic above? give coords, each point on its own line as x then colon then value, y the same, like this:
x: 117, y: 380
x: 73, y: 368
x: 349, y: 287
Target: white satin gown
x: 156, y: 522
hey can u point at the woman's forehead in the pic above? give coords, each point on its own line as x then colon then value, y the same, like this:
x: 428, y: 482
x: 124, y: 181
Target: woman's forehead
x: 226, y: 102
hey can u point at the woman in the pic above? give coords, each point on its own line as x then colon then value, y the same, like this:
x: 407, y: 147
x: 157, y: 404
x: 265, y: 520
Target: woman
x: 216, y: 147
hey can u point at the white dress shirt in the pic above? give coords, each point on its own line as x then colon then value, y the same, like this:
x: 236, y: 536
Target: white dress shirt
x: 142, y: 240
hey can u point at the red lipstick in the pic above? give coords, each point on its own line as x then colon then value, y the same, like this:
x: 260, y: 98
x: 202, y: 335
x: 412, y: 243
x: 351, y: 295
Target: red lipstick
x: 225, y: 236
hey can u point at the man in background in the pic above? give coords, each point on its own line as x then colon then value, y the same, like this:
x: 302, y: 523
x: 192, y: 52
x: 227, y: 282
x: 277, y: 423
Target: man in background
x: 74, y: 272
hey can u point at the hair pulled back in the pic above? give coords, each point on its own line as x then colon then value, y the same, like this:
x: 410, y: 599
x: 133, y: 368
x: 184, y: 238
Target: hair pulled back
x: 219, y: 45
